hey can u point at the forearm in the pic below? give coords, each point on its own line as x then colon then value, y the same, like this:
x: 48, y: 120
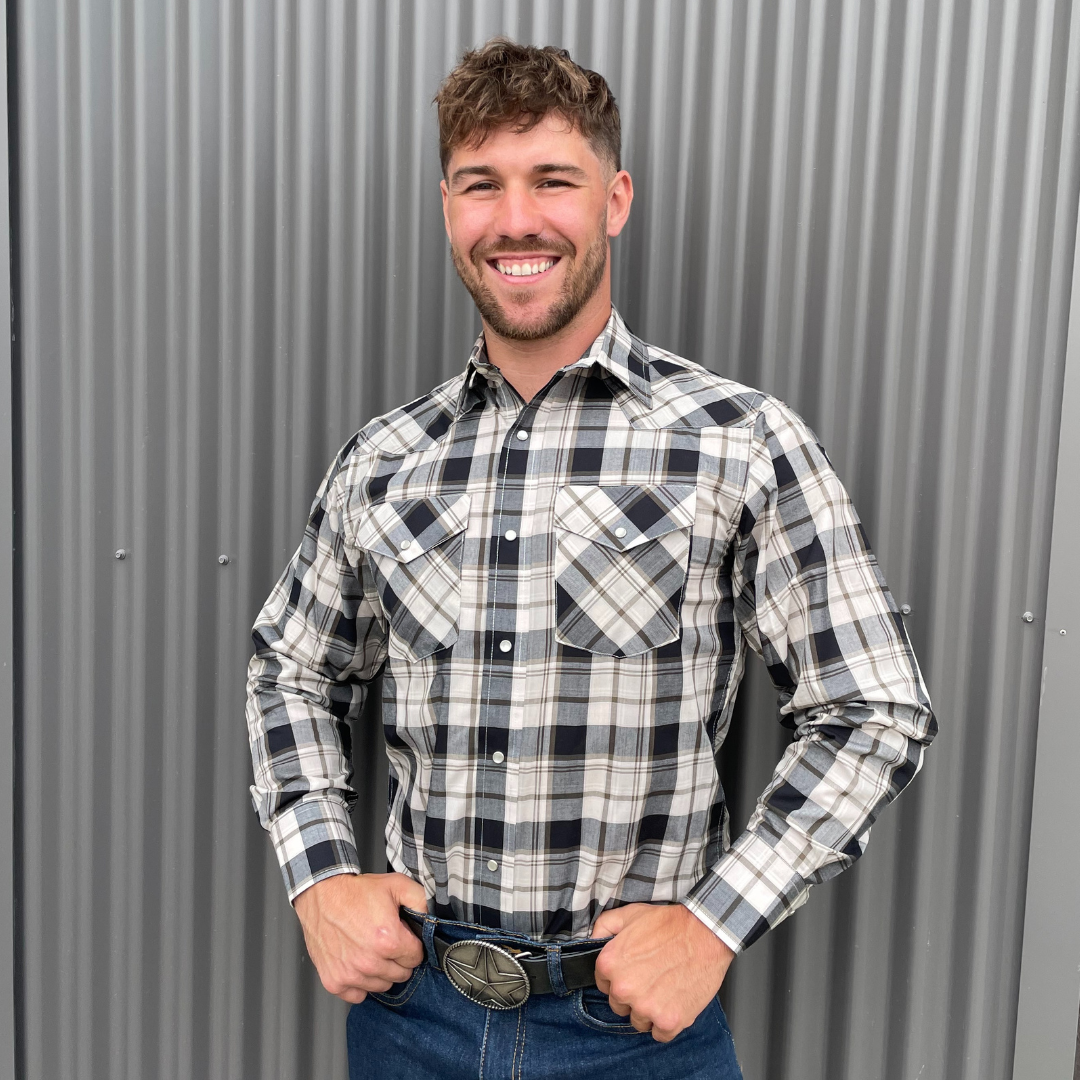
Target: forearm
x: 813, y: 820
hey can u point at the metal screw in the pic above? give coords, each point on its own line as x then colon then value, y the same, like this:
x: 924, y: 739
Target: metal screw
x: 120, y: 554
x: 1028, y: 617
x: 1061, y: 632
x: 905, y: 609
x: 223, y: 559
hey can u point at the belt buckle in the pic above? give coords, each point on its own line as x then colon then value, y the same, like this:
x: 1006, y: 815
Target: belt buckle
x: 486, y: 974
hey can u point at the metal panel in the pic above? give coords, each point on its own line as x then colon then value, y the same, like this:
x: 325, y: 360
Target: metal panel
x: 232, y: 255
x: 1046, y: 1043
x: 8, y: 502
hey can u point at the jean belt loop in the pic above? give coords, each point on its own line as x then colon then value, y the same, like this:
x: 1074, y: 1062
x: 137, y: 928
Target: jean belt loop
x: 429, y: 941
x: 554, y: 963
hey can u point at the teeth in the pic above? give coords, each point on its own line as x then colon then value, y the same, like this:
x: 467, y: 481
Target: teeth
x: 524, y: 269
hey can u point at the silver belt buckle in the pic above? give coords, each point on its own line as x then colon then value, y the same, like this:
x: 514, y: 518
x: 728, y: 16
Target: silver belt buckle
x: 486, y: 974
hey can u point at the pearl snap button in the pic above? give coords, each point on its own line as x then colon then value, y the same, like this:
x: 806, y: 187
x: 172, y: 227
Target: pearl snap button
x: 522, y: 435
x: 620, y: 532
x: 509, y: 535
x: 405, y: 545
x: 505, y: 646
x: 498, y: 757
x: 492, y: 864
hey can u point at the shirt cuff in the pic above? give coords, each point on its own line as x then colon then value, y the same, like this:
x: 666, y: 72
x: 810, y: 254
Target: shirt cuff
x: 750, y: 890
x: 314, y: 839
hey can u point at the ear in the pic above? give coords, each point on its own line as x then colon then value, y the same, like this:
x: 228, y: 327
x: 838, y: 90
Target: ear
x: 445, y: 207
x: 620, y: 196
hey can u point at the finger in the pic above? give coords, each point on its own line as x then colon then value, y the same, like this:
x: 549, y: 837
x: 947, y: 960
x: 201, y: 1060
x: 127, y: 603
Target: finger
x: 618, y: 1006
x: 371, y: 970
x: 639, y: 1022
x: 408, y: 950
x: 353, y: 995
x: 389, y: 971
x: 408, y: 893
x: 663, y: 1035
x: 609, y: 923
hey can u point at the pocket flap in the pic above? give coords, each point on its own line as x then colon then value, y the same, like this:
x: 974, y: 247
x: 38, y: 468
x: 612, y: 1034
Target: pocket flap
x: 624, y: 517
x: 405, y: 530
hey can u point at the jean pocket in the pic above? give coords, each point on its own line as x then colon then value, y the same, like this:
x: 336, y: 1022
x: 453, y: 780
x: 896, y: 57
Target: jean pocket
x: 401, y: 992
x: 621, y: 556
x: 592, y: 1008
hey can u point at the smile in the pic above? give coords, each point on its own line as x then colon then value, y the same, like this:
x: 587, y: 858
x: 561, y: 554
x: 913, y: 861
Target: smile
x: 523, y: 268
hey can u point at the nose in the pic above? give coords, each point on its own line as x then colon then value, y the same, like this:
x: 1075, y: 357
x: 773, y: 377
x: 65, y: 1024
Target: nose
x: 518, y: 214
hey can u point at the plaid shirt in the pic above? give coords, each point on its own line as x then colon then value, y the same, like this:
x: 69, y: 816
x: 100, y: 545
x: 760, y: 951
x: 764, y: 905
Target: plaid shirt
x: 559, y: 596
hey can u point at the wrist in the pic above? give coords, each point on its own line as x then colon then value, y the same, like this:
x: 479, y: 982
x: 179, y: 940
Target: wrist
x: 311, y: 897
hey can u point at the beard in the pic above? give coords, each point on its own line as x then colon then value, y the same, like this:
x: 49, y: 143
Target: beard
x: 578, y: 288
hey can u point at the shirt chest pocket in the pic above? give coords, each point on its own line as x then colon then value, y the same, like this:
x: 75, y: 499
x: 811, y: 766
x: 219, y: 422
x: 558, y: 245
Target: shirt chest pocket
x: 621, y: 555
x: 414, y: 550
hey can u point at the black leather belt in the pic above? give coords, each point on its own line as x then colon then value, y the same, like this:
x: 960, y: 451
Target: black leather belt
x: 503, y: 974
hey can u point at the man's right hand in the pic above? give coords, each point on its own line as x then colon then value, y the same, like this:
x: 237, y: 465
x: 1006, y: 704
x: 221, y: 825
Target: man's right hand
x: 354, y: 934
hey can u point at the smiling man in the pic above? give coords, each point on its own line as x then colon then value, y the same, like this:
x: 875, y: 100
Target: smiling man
x: 557, y: 560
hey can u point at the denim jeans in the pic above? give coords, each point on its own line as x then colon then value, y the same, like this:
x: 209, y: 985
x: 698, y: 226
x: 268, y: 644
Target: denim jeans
x: 426, y: 1028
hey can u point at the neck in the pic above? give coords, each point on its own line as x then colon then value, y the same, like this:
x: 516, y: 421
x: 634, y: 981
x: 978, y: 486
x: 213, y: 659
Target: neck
x: 529, y: 365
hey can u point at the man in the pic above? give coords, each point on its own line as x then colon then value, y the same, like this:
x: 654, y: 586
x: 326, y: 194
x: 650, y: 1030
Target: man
x: 556, y: 560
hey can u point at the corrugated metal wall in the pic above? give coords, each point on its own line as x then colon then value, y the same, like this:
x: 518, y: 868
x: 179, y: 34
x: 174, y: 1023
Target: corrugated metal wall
x: 231, y: 255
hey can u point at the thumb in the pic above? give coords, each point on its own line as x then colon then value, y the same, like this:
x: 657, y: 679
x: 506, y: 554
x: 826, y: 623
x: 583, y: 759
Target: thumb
x: 407, y: 892
x: 611, y: 922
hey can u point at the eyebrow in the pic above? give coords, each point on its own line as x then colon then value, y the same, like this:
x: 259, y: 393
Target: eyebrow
x: 568, y: 170
x: 472, y: 170
x: 543, y: 170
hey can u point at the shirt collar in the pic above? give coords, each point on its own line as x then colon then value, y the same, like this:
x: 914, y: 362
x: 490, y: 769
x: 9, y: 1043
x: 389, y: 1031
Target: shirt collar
x: 615, y: 352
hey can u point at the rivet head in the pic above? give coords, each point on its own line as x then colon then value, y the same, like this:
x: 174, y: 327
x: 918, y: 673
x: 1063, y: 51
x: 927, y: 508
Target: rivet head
x: 505, y: 646
x: 905, y: 609
x: 1028, y: 617
x: 120, y: 554
x: 224, y: 560
x: 405, y: 545
x: 620, y: 532
x: 522, y: 435
x: 492, y: 864
x: 498, y: 757
x: 510, y: 535
x: 1062, y: 633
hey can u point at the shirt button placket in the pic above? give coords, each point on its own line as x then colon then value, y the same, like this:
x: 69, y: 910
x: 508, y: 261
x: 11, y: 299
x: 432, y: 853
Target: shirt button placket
x: 507, y: 635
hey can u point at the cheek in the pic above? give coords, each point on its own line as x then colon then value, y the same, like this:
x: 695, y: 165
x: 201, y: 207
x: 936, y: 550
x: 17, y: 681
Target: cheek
x: 468, y: 228
x: 578, y: 223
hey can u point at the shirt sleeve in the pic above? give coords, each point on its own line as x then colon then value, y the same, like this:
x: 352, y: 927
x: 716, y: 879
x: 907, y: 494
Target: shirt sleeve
x: 318, y: 642
x: 811, y: 601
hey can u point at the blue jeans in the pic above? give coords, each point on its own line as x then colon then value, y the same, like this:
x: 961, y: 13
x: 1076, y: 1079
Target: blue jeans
x: 426, y: 1028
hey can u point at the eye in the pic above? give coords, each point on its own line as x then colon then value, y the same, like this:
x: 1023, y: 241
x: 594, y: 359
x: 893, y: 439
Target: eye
x: 480, y: 185
x: 555, y: 183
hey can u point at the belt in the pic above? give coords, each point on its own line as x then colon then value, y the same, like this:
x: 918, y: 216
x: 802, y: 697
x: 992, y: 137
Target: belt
x: 502, y: 974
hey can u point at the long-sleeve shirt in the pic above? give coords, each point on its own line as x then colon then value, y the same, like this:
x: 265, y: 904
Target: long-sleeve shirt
x: 558, y: 596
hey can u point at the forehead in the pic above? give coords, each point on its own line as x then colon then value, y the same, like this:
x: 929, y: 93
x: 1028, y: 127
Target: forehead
x: 552, y: 140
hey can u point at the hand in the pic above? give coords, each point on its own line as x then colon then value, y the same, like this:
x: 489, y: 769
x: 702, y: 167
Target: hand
x: 662, y: 967
x: 354, y: 934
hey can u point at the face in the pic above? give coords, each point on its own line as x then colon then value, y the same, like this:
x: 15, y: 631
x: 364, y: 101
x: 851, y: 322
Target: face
x: 529, y: 216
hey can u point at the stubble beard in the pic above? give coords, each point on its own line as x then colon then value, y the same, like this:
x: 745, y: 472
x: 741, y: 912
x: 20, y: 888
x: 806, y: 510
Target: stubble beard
x: 578, y: 288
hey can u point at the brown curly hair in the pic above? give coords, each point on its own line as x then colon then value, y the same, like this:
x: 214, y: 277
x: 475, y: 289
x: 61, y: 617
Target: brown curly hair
x: 503, y: 82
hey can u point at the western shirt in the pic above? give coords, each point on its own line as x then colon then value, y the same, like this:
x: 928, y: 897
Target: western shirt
x: 558, y: 596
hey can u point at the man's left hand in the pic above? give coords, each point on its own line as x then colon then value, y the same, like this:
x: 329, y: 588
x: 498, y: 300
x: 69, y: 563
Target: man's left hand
x: 662, y: 967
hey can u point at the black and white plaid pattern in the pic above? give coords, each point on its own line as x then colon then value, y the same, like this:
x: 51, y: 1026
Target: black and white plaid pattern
x: 560, y: 596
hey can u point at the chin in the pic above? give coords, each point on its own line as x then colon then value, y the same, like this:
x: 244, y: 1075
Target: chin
x: 530, y: 328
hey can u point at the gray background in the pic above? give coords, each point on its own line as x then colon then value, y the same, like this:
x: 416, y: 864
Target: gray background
x: 229, y: 254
